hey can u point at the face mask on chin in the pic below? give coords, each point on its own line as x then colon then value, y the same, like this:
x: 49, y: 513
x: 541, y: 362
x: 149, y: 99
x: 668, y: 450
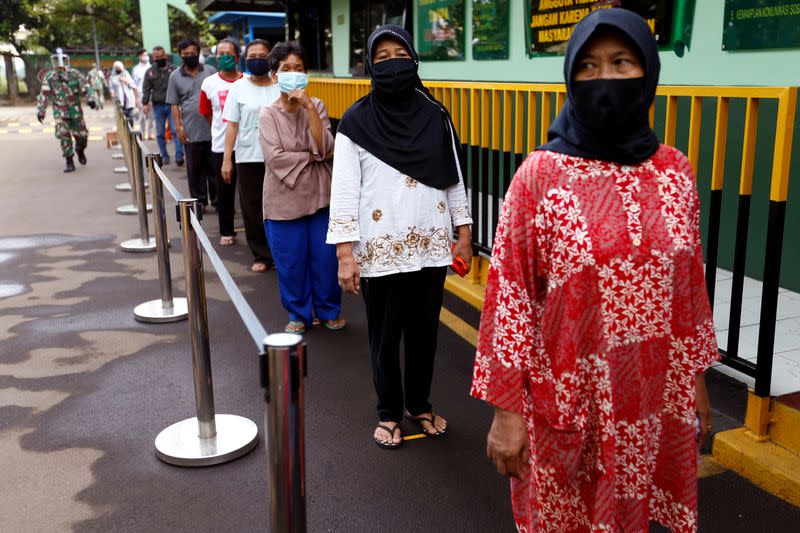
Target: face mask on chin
x: 394, y: 76
x: 611, y: 106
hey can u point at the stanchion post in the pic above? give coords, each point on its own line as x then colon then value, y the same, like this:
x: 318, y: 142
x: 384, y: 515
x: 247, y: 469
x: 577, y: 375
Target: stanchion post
x: 134, y: 170
x: 143, y: 243
x: 283, y: 367
x: 208, y: 438
x: 166, y: 309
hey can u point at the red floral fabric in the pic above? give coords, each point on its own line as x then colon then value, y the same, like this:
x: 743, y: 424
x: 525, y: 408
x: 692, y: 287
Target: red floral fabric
x: 595, y: 321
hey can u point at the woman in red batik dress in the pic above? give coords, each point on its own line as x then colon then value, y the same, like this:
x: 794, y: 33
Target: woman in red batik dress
x: 596, y: 328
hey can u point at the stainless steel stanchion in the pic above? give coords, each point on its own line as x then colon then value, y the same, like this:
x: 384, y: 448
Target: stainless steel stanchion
x: 166, y: 309
x: 283, y: 367
x: 126, y: 185
x: 144, y: 243
x: 208, y: 438
x: 134, y: 165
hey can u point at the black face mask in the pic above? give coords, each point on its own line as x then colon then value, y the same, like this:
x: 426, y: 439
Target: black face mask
x: 257, y: 66
x: 161, y: 63
x: 394, y: 76
x: 191, y: 61
x: 611, y: 106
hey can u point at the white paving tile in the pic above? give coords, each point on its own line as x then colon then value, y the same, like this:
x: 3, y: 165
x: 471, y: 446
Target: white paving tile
x: 785, y: 374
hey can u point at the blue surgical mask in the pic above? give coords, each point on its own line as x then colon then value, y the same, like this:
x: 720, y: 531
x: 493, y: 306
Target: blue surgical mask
x: 289, y: 81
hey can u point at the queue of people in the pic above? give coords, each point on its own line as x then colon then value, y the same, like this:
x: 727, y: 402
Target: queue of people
x: 596, y: 328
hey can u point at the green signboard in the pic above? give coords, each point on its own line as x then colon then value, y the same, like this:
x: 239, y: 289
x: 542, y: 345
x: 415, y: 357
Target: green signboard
x: 440, y: 29
x: 759, y: 24
x: 550, y: 22
x: 490, y: 29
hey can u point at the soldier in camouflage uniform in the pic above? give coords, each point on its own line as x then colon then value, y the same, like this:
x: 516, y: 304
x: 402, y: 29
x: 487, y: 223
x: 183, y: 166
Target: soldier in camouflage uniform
x: 63, y: 86
x: 98, y: 82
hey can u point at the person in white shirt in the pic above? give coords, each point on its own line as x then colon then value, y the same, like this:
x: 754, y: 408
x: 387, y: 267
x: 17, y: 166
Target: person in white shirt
x: 397, y: 195
x: 213, y: 97
x: 122, y: 87
x: 146, y: 122
x: 245, y: 98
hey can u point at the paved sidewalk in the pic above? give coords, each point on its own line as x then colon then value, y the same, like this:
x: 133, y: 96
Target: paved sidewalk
x: 84, y: 389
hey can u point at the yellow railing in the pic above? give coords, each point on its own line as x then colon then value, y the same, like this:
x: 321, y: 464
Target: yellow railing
x: 500, y: 122
x: 482, y: 112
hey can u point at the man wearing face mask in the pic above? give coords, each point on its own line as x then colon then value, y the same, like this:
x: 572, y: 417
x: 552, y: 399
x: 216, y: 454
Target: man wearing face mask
x: 154, y: 97
x: 213, y: 95
x: 194, y: 132
x: 138, y: 72
x: 62, y: 86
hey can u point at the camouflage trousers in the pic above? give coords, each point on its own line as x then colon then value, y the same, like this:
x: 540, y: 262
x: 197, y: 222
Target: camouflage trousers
x: 66, y: 129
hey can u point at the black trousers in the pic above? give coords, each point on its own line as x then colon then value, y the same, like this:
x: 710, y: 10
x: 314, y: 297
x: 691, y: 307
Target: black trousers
x: 202, y: 184
x: 226, y: 195
x: 251, y: 187
x: 403, y: 305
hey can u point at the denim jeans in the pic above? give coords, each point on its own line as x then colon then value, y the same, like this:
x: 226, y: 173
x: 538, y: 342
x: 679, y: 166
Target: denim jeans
x: 161, y: 114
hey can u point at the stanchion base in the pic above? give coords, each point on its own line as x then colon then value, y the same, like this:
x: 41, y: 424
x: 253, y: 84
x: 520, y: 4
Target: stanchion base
x: 138, y: 245
x: 120, y: 170
x: 131, y: 209
x: 123, y: 186
x: 155, y: 312
x: 118, y: 155
x: 179, y: 444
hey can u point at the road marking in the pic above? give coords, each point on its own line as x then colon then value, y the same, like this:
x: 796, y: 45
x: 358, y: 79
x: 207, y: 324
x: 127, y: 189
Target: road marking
x: 707, y: 466
x: 414, y: 437
x: 3, y: 131
x: 26, y: 130
x: 13, y: 124
x: 459, y: 326
x: 96, y: 128
x: 33, y: 123
x: 95, y: 137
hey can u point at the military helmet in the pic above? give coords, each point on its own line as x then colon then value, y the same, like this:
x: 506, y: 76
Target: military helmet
x: 59, y: 58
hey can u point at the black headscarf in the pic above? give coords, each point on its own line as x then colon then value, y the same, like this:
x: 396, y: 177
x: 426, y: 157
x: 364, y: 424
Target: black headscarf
x: 572, y: 132
x: 405, y: 127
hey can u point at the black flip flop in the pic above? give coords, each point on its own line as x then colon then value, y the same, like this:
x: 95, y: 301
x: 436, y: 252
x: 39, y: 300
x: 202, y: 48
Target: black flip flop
x: 390, y: 431
x: 418, y: 420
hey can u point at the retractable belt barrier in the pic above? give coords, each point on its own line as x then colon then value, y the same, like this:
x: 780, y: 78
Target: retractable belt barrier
x: 210, y: 438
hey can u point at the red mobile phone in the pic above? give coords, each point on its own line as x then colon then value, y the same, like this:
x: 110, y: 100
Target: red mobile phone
x: 459, y: 265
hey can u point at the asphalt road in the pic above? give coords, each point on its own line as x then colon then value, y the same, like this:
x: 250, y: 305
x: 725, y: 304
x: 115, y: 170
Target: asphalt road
x: 84, y: 388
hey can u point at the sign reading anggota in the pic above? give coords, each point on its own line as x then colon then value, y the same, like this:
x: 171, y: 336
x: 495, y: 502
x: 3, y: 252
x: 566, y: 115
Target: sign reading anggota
x: 551, y: 21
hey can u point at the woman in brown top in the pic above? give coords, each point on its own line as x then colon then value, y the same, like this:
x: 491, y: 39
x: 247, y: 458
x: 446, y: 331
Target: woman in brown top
x: 297, y: 144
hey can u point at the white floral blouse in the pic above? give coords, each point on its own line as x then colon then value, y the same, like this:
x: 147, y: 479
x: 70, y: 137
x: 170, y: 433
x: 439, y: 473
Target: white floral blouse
x: 395, y: 223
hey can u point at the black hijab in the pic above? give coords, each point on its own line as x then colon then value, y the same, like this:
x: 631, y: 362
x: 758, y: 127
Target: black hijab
x: 573, y: 133
x: 400, y: 122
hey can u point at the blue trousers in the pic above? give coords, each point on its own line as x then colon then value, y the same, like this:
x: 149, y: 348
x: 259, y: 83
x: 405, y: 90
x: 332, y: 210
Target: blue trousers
x: 161, y: 114
x: 307, y: 267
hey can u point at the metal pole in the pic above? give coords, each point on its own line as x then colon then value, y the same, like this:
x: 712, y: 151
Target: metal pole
x: 135, y: 172
x: 143, y: 243
x: 283, y: 369
x: 125, y: 186
x: 167, y: 309
x: 96, y: 49
x: 208, y: 438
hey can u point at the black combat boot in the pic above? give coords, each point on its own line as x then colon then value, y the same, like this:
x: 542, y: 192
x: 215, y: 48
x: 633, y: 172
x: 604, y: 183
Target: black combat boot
x: 81, y: 157
x: 70, y: 165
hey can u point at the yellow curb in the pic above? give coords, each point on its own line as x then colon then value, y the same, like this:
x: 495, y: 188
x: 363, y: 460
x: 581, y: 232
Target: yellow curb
x: 771, y: 467
x: 459, y: 326
x: 785, y: 426
x: 707, y: 467
x: 466, y: 290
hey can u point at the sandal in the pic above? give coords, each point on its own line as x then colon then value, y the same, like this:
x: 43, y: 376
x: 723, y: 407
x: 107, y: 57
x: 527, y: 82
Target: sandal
x: 391, y: 431
x: 295, y: 326
x: 418, y: 420
x: 259, y: 267
x: 227, y: 240
x: 335, y: 325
